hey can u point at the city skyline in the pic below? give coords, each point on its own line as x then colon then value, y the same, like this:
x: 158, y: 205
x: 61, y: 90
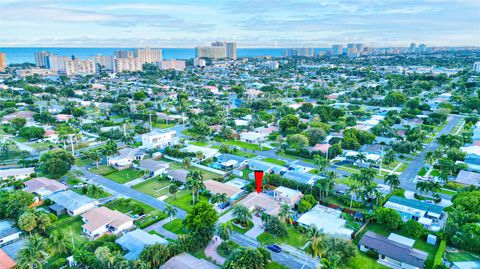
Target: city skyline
x: 252, y: 23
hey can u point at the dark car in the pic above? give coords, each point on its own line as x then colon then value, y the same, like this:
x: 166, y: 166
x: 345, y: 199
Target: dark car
x: 275, y: 248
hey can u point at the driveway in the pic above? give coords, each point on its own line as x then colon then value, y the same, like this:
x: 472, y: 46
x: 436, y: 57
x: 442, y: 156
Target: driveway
x: 228, y: 216
x: 257, y: 228
x: 158, y: 227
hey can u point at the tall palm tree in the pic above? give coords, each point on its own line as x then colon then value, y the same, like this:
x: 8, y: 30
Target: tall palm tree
x: 58, y: 242
x: 429, y: 157
x: 393, y: 181
x: 224, y: 230
x: 315, y: 248
x: 33, y: 254
x: 170, y: 210
x: 220, y: 198
x: 354, y: 190
x: 320, y: 163
x: 241, y: 214
x: 325, y: 185
x: 195, y: 184
x: 422, y: 186
x: 285, y: 214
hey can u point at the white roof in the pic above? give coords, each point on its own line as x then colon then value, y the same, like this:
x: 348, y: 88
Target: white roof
x: 204, y: 150
x: 17, y: 172
x: 471, y: 150
x: 401, y: 239
x: 287, y: 192
x: 326, y: 219
x: 252, y: 135
x: 425, y: 221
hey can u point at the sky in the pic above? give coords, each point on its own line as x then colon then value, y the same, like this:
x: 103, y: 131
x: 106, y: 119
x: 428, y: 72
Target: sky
x: 252, y: 23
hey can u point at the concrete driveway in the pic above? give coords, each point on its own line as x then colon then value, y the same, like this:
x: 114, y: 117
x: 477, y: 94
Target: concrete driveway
x: 257, y: 228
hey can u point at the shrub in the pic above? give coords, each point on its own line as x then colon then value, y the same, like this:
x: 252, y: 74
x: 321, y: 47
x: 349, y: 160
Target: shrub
x: 439, y: 254
x: 226, y: 248
x: 414, y: 229
x: 372, y: 254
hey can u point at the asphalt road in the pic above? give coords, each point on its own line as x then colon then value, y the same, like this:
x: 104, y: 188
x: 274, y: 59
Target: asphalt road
x: 406, y: 178
x: 282, y: 258
x: 129, y: 192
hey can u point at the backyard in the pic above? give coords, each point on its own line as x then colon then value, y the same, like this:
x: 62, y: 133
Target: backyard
x: 183, y: 199
x: 71, y: 228
x: 244, y: 145
x: 124, y: 176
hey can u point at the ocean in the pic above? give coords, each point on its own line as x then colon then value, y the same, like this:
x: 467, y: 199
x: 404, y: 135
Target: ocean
x: 22, y: 55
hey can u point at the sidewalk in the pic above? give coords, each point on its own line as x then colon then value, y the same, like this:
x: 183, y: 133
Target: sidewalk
x: 211, y: 250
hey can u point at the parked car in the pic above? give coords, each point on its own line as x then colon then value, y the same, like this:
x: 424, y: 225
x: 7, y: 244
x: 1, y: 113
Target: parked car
x: 274, y: 248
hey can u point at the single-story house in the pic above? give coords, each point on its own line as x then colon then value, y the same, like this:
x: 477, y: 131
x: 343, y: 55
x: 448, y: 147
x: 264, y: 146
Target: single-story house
x: 43, y: 186
x: 468, y: 178
x: 253, y: 137
x: 71, y: 202
x: 135, y: 241
x: 230, y: 161
x: 218, y: 187
x: 187, y: 261
x: 102, y: 220
x: 125, y: 158
x: 263, y: 202
x: 208, y: 153
x: 301, y: 177
x: 238, y: 182
x: 154, y: 167
x: 268, y: 168
x: 392, y: 252
x: 287, y: 196
x: 16, y: 173
x: 8, y: 233
x: 327, y: 219
x: 177, y: 175
x: 414, y: 209
x: 6, y: 262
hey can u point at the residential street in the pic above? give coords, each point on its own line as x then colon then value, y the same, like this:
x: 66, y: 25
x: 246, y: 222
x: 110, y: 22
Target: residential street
x: 128, y: 192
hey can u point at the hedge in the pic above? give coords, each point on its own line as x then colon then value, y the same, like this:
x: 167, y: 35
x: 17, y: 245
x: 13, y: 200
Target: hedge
x: 439, y: 254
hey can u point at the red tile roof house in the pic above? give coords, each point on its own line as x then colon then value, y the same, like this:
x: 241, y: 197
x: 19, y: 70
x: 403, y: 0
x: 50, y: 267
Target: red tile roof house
x: 323, y: 148
x: 102, y: 220
x: 51, y: 135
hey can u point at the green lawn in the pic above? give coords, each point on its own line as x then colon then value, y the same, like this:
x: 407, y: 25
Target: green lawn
x: 283, y: 154
x: 71, y: 227
x: 422, y: 172
x: 124, y: 176
x: 102, y: 169
x: 244, y: 145
x: 41, y: 145
x: 162, y: 125
x: 206, y: 174
x: 98, y: 195
x: 274, y: 161
x: 184, y: 199
x: 82, y: 161
x: 72, y: 180
x: 20, y: 139
x: 435, y: 173
x: 175, y: 226
x: 128, y: 205
x: 243, y: 154
x: 294, y: 238
x: 362, y: 261
x: 199, y: 143
x: 462, y: 255
x: 155, y: 187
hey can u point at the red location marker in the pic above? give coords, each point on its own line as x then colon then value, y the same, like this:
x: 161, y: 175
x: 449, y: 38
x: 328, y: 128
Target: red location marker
x: 258, y: 181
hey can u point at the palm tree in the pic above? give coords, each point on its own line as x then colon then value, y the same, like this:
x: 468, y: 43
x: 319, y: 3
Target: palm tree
x: 320, y: 162
x: 241, y: 214
x: 127, y: 139
x: 325, y: 185
x: 354, y: 190
x: 393, y: 181
x: 422, y: 186
x: 285, y: 214
x: 224, y: 230
x: 33, y: 254
x: 390, y: 157
x: 315, y: 248
x: 195, y: 183
x: 170, y: 210
x: 58, y: 242
x: 360, y: 157
x: 220, y: 198
x: 429, y: 157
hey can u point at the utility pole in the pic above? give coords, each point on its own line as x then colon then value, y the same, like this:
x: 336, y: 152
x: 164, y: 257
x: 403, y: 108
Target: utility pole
x: 381, y: 161
x: 71, y: 144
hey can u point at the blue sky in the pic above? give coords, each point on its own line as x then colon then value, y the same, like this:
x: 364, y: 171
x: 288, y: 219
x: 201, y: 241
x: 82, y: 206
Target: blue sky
x: 252, y: 23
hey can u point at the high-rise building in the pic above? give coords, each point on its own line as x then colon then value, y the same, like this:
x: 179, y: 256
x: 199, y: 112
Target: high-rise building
x: 360, y: 47
x: 199, y: 62
x: 123, y: 54
x: 3, y: 61
x: 352, y: 50
x: 337, y: 49
x: 413, y: 47
x: 105, y: 62
x: 476, y: 67
x: 171, y: 64
x: 127, y: 64
x: 422, y: 48
x: 211, y: 52
x: 40, y: 58
x: 231, y: 48
x: 55, y: 62
x: 148, y: 55
x: 299, y: 52
x: 79, y: 67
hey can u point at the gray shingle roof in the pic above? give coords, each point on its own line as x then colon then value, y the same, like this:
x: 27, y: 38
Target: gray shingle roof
x: 394, y: 250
